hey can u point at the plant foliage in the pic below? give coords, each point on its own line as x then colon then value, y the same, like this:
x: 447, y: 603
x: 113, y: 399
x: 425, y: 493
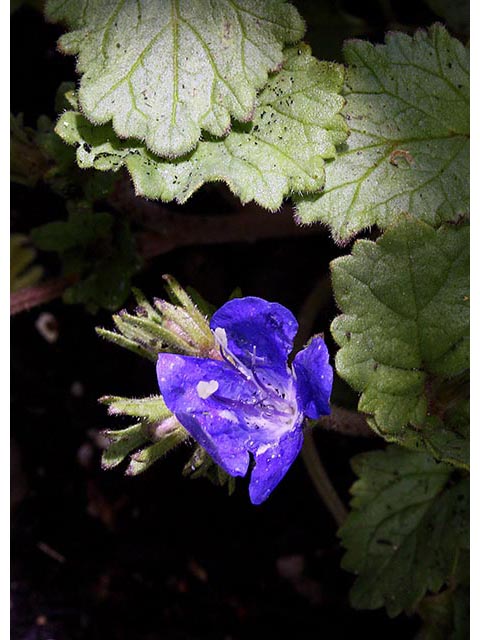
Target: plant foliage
x: 404, y: 332
x: 296, y: 126
x: 408, y: 114
x: 407, y: 530
x: 165, y: 71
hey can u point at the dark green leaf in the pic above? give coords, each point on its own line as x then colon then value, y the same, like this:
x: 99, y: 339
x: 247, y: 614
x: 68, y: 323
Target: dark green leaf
x: 407, y: 528
x: 405, y: 322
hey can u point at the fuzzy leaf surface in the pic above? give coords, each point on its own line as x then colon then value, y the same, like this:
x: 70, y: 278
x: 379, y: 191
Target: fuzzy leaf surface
x: 406, y: 530
x: 297, y: 125
x: 405, y: 319
x: 408, y: 111
x: 446, y: 438
x: 165, y: 71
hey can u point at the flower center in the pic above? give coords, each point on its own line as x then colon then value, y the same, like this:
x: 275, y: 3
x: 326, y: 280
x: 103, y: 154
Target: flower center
x: 273, y: 406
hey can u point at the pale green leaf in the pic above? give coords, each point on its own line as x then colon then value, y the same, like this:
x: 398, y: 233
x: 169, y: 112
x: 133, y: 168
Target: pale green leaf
x: 405, y: 319
x: 408, y: 111
x: 297, y: 124
x: 164, y: 71
x: 407, y: 528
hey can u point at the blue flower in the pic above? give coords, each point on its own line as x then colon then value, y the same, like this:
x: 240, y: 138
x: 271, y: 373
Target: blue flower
x: 248, y: 400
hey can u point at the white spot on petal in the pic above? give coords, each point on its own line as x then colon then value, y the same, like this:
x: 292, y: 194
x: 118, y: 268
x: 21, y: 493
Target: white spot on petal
x: 228, y: 415
x: 205, y: 389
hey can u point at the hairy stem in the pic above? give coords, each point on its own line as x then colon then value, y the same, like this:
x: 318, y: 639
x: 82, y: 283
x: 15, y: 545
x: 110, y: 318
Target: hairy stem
x: 320, y: 479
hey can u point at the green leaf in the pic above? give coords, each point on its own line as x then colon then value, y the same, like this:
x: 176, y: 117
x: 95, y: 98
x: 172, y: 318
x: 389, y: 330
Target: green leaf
x: 23, y: 270
x: 40, y: 154
x: 445, y: 616
x: 407, y: 528
x: 107, y: 279
x: 297, y: 124
x: 447, y: 440
x: 34, y: 4
x: 28, y: 162
x: 96, y: 248
x: 81, y: 229
x: 405, y: 323
x: 408, y: 111
x: 165, y: 71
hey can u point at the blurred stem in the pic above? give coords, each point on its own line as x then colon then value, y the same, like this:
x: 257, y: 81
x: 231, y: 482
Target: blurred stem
x: 317, y: 472
x: 345, y: 421
x: 320, y: 479
x: 168, y: 230
x: 313, y: 303
x: 30, y: 297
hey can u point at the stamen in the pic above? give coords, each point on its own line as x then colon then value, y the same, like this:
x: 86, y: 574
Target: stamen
x: 270, y: 402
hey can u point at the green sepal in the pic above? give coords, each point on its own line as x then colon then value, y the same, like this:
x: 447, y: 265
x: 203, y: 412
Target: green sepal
x: 152, y: 409
x: 178, y: 295
x: 23, y: 270
x: 177, y: 327
x: 122, y: 443
x: 142, y: 460
x: 121, y: 341
x: 159, y: 338
x: 201, y: 465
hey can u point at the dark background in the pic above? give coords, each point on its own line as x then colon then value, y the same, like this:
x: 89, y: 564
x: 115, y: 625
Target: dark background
x: 96, y: 555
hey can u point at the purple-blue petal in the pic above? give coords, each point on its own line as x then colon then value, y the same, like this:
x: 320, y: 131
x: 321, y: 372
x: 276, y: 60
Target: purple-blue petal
x: 257, y: 331
x: 214, y: 421
x: 272, y: 463
x: 314, y: 378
